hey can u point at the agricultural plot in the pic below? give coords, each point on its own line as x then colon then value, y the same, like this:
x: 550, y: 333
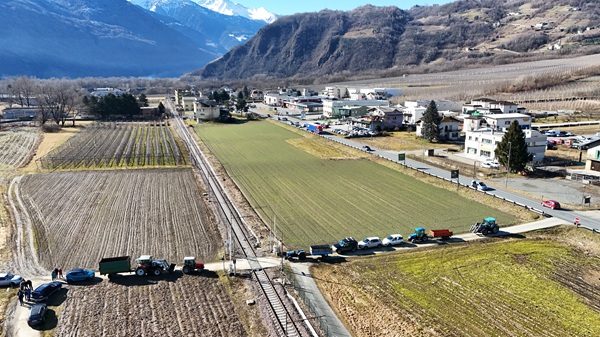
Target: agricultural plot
x: 17, y: 147
x: 190, y: 306
x: 113, y: 145
x: 529, y: 287
x: 80, y: 217
x: 317, y: 200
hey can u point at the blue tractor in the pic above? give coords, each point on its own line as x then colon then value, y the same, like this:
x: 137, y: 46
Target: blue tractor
x: 419, y: 235
x: 488, y: 226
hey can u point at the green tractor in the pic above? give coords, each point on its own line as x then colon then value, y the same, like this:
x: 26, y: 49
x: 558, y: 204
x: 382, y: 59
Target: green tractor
x: 419, y: 235
x: 488, y: 226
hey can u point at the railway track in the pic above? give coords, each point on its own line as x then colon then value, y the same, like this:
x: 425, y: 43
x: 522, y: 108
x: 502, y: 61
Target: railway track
x: 284, y: 323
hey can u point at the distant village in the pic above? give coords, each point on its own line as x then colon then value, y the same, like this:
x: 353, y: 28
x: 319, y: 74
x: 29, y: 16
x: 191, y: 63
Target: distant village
x: 479, y: 124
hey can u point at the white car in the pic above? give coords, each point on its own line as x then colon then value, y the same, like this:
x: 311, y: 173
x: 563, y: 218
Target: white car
x: 479, y: 185
x: 10, y: 280
x: 392, y: 240
x: 370, y: 242
x: 490, y: 164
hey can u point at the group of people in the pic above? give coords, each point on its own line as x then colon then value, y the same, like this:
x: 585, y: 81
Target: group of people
x: 25, y: 289
x: 57, y: 273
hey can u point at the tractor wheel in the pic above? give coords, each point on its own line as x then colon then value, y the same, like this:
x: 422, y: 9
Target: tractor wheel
x: 301, y: 256
x: 496, y: 230
x: 156, y: 272
x: 186, y: 270
x: 140, y: 271
x: 110, y: 276
x: 484, y: 231
x: 354, y: 249
x: 425, y: 238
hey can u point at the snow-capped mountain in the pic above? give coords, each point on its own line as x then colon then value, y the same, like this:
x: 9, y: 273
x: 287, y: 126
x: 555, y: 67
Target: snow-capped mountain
x: 77, y: 38
x: 223, y: 30
x: 227, y: 7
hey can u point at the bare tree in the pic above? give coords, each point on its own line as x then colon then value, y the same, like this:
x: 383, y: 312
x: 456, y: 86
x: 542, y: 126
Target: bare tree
x: 57, y: 100
x: 22, y: 89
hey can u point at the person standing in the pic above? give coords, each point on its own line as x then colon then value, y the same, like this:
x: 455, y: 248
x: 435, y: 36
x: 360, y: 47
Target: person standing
x: 28, y: 294
x: 54, y: 274
x: 60, y: 275
x: 20, y: 295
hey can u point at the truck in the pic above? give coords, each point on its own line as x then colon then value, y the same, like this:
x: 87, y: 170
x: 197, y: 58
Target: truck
x: 114, y: 265
x: 301, y: 254
x: 421, y: 236
x: 314, y: 128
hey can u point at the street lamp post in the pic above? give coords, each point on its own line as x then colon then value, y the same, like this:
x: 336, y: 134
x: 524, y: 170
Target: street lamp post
x: 508, y: 164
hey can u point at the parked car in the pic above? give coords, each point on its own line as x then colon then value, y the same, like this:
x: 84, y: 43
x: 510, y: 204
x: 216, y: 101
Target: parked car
x: 12, y: 280
x: 80, y: 274
x: 564, y: 134
x: 393, y: 239
x: 37, y: 315
x: 550, y: 145
x: 370, y: 242
x: 551, y: 204
x: 490, y: 163
x: 43, y: 292
x: 551, y: 133
x: 479, y: 185
x: 345, y: 245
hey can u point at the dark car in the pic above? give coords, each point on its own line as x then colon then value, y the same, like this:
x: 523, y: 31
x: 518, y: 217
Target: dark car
x: 44, y: 291
x: 37, y: 315
x: 345, y: 245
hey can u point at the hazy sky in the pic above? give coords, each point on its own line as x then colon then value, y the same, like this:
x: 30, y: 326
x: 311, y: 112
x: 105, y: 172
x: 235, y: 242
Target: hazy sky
x: 299, y: 6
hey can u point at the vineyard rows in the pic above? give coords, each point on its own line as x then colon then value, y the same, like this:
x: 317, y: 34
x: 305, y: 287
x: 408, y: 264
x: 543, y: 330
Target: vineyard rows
x: 80, y: 217
x: 17, y: 147
x: 109, y: 145
x: 194, y: 305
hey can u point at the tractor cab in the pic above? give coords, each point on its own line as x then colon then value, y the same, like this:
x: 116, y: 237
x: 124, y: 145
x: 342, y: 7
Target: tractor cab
x: 144, y: 260
x: 488, y: 226
x: 190, y: 265
x: 418, y: 235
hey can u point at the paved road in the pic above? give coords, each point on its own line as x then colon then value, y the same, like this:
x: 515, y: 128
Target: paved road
x: 587, y: 219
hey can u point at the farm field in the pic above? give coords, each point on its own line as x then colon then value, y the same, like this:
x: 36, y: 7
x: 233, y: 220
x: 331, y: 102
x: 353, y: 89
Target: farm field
x: 194, y: 305
x: 80, y: 217
x: 17, y: 146
x: 118, y: 145
x: 320, y: 198
x: 544, y: 285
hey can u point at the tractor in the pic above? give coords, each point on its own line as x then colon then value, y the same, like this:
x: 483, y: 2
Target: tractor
x: 190, y: 265
x: 419, y: 235
x: 148, y: 266
x: 486, y: 227
x: 300, y: 254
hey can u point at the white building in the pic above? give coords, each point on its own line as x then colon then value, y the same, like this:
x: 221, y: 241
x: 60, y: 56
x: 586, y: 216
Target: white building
x: 490, y: 106
x: 331, y: 108
x: 481, y: 144
x: 498, y: 122
x: 206, y: 110
x: 275, y: 99
x: 414, y: 110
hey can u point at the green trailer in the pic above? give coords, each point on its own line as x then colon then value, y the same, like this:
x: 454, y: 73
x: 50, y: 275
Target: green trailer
x: 114, y: 265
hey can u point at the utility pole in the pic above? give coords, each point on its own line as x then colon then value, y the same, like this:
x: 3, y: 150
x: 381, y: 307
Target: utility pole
x: 508, y: 165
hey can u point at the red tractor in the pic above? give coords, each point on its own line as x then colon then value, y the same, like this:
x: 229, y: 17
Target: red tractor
x: 190, y: 265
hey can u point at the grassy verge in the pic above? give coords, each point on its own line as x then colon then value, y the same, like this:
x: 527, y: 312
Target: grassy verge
x: 501, y: 287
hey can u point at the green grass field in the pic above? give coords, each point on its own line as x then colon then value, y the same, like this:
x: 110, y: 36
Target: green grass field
x: 522, y: 287
x: 318, y: 200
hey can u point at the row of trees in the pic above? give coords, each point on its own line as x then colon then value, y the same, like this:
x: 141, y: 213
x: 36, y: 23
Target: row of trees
x: 59, y: 99
x: 511, y: 151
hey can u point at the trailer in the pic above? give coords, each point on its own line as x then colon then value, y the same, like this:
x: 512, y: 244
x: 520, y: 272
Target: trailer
x: 316, y: 250
x: 114, y: 265
x: 316, y: 128
x: 444, y: 234
x: 322, y: 250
